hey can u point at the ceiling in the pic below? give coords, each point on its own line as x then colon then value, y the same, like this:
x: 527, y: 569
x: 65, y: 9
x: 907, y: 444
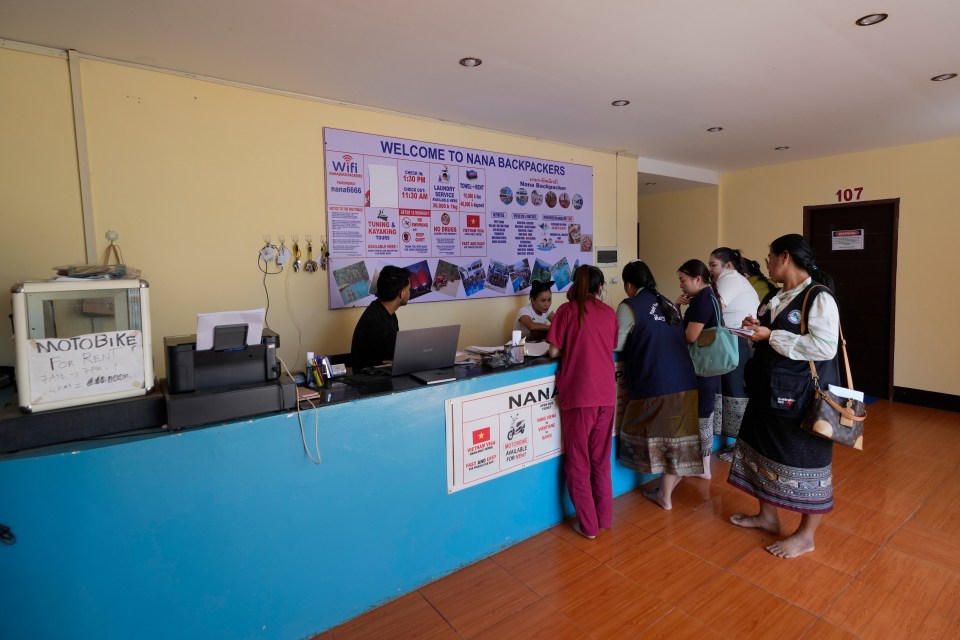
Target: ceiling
x: 770, y: 72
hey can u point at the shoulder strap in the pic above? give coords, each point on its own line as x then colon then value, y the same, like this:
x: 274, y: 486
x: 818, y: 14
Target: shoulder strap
x: 716, y: 306
x: 804, y: 309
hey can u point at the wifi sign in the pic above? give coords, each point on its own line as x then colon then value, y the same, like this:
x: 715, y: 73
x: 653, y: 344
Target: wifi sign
x: 347, y: 165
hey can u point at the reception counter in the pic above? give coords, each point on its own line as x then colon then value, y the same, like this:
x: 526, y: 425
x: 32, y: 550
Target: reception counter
x: 230, y: 531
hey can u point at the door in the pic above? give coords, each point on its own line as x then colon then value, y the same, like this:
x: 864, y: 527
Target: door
x: 856, y: 243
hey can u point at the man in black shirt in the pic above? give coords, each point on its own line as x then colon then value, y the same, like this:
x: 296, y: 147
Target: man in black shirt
x: 375, y: 335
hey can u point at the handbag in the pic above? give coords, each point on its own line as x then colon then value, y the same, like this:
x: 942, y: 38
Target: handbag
x: 715, y: 351
x: 832, y: 416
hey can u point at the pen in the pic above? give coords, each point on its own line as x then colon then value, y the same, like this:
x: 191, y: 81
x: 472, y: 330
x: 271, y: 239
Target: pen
x: 316, y: 372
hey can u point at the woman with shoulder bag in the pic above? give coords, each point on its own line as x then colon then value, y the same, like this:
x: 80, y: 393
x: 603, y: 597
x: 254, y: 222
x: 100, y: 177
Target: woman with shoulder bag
x: 739, y: 301
x: 698, y: 292
x: 774, y: 460
x: 660, y: 430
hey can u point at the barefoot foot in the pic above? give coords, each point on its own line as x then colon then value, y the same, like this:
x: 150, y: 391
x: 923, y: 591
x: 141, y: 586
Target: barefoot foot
x: 755, y: 522
x: 655, y: 496
x: 791, y: 546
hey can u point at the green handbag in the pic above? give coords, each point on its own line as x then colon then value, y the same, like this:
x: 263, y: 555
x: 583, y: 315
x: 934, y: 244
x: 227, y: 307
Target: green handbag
x: 715, y: 352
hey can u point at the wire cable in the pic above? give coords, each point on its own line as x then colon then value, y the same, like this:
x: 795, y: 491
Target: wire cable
x: 316, y: 423
x: 265, y: 269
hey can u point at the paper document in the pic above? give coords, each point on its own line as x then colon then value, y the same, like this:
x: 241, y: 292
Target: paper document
x: 843, y: 392
x: 742, y: 332
x: 484, y: 350
x: 207, y: 322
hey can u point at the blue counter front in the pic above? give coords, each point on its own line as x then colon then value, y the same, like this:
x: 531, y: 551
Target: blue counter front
x: 231, y: 532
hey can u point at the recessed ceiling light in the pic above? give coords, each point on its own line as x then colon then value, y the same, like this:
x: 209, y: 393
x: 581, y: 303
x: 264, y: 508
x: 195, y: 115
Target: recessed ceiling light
x: 944, y: 76
x: 780, y: 148
x: 715, y: 129
x: 872, y: 19
x: 649, y: 184
x: 471, y: 62
x: 620, y: 103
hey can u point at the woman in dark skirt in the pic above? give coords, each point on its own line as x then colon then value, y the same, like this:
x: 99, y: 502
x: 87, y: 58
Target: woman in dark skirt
x: 698, y: 292
x: 660, y: 431
x: 774, y: 460
x: 739, y: 301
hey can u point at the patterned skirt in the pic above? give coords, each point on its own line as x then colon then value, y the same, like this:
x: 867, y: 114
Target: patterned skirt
x: 662, y: 435
x: 780, y: 464
x: 731, y: 402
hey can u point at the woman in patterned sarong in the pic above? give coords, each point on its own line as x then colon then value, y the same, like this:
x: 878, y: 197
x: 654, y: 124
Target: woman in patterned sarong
x: 774, y: 460
x: 660, y: 430
x: 739, y: 301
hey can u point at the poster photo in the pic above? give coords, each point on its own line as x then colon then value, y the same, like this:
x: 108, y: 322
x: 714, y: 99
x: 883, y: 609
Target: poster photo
x: 470, y: 223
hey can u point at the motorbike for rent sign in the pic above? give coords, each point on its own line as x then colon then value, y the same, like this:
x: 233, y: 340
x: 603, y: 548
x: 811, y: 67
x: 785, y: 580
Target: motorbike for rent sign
x: 496, y: 432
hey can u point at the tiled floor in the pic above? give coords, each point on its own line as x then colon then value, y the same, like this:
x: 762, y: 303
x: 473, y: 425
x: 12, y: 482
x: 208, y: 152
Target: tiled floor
x: 887, y: 563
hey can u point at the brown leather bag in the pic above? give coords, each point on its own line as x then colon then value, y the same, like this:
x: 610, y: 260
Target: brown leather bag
x: 831, y: 416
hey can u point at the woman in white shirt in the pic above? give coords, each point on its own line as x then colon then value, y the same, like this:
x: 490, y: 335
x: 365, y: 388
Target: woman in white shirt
x: 775, y: 460
x: 533, y: 320
x: 740, y: 301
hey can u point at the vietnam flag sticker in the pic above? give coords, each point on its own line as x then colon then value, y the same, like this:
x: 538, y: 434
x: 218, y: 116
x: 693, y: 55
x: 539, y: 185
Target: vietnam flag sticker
x: 481, y: 435
x: 473, y: 222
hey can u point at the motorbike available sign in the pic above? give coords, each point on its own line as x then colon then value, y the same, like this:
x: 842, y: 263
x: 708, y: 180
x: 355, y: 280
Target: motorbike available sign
x: 496, y: 432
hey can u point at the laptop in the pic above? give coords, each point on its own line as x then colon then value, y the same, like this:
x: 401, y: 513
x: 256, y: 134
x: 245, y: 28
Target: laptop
x: 427, y: 354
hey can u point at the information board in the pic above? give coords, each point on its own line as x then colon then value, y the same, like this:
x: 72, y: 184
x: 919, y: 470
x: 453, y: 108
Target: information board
x: 466, y: 223
x: 496, y: 432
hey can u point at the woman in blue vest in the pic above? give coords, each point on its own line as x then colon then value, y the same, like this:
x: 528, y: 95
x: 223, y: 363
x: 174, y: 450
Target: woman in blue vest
x: 659, y: 432
x: 774, y: 460
x: 702, y: 313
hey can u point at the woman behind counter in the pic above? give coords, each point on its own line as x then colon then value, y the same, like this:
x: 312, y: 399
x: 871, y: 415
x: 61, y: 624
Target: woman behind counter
x: 697, y: 291
x: 533, y: 320
x: 774, y: 460
x: 660, y: 431
x: 584, y: 333
x: 740, y: 301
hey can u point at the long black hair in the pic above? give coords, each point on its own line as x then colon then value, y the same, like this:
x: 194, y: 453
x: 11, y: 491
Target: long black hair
x: 587, y: 281
x: 733, y: 256
x: 751, y: 268
x: 637, y: 273
x: 803, y: 256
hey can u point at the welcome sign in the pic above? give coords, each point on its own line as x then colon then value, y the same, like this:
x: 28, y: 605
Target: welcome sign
x: 466, y: 223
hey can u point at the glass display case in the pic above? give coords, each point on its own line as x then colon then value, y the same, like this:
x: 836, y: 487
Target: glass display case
x: 81, y: 341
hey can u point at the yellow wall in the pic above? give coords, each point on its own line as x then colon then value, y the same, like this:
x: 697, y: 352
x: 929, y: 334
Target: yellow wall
x: 758, y: 205
x: 192, y: 174
x: 39, y: 183
x: 674, y: 227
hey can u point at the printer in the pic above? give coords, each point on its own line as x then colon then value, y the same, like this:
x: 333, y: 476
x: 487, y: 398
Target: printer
x: 232, y: 380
